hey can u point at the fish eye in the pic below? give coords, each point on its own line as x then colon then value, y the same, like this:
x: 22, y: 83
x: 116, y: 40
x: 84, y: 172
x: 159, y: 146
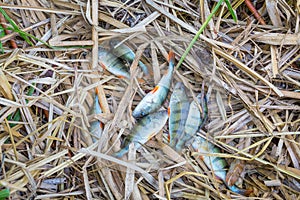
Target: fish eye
x: 113, y: 42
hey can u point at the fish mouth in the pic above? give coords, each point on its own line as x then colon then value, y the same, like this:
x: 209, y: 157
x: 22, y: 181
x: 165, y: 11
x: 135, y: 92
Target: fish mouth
x: 179, y: 86
x: 137, y: 115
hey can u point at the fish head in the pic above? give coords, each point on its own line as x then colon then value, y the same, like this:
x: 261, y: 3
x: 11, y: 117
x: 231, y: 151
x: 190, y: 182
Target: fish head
x: 179, y: 93
x: 102, y: 52
x: 179, y: 89
x: 113, y: 43
x: 139, y: 113
x: 179, y: 86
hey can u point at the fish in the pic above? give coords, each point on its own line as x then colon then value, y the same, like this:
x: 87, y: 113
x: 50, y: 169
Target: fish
x: 155, y: 98
x: 235, y: 170
x: 96, y: 127
x: 195, y: 120
x: 124, y: 52
x: 144, y: 130
x: 214, y: 163
x: 112, y: 63
x: 178, y: 109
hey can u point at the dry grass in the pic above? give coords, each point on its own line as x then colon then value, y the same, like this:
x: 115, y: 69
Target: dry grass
x: 251, y: 75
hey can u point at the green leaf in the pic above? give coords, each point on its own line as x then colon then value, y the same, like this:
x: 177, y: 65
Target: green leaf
x: 15, y: 27
x: 2, y: 34
x: 17, y: 115
x: 204, y: 25
x: 231, y: 10
x: 4, y: 194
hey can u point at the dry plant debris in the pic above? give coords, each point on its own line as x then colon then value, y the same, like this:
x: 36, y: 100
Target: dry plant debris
x: 250, y: 71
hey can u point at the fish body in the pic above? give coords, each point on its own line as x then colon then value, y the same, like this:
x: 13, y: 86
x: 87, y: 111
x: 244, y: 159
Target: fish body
x: 96, y: 126
x: 144, y: 130
x: 155, y: 98
x: 234, y: 172
x: 124, y: 52
x: 194, y: 121
x: 214, y: 163
x: 178, y: 109
x: 112, y: 63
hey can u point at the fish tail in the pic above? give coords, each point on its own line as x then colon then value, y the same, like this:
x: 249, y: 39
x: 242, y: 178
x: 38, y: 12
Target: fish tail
x: 245, y: 192
x: 171, y: 58
x: 179, y: 145
x: 120, y: 153
x: 144, y: 68
x: 96, y: 90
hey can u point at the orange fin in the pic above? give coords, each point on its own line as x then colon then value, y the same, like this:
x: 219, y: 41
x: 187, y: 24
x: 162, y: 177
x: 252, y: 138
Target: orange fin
x: 120, y: 76
x: 248, y: 192
x: 102, y: 65
x: 155, y: 89
x: 171, y: 56
x: 141, y: 81
x: 96, y: 91
x: 169, y: 111
x: 101, y: 125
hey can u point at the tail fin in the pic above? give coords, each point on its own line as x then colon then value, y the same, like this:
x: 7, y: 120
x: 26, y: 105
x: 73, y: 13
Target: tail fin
x: 171, y: 57
x: 235, y: 189
x: 179, y: 145
x: 120, y: 153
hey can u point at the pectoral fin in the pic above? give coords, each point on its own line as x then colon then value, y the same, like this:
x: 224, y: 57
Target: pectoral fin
x: 155, y: 89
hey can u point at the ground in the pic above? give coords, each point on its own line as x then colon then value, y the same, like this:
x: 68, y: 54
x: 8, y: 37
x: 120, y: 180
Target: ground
x: 50, y: 75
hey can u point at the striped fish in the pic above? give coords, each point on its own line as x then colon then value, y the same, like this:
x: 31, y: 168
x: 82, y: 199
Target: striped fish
x: 178, y: 109
x: 112, y: 63
x: 96, y: 126
x: 144, y: 130
x: 124, y: 52
x: 155, y: 98
x: 214, y: 163
x: 194, y: 121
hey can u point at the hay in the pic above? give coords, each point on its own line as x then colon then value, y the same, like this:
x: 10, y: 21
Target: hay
x: 250, y: 72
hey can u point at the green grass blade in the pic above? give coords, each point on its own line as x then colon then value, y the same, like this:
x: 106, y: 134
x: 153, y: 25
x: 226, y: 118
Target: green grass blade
x: 4, y: 194
x: 17, y: 115
x: 15, y: 27
x: 231, y: 10
x: 35, y: 38
x: 2, y: 34
x: 204, y: 25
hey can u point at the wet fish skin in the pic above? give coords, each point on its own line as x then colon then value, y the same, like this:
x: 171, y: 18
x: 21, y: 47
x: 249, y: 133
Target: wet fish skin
x: 195, y: 120
x: 112, y: 63
x: 214, y: 163
x: 96, y: 126
x: 155, y: 98
x: 144, y: 130
x: 178, y: 109
x: 124, y: 52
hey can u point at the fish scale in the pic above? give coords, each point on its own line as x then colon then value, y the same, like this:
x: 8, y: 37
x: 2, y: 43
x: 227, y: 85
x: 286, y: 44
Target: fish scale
x: 193, y: 123
x: 95, y: 126
x: 124, y: 52
x: 155, y: 98
x: 112, y: 63
x: 178, y: 109
x: 143, y: 130
x: 216, y: 164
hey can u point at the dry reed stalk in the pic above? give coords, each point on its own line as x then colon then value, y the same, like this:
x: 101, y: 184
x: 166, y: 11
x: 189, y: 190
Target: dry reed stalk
x: 250, y: 73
